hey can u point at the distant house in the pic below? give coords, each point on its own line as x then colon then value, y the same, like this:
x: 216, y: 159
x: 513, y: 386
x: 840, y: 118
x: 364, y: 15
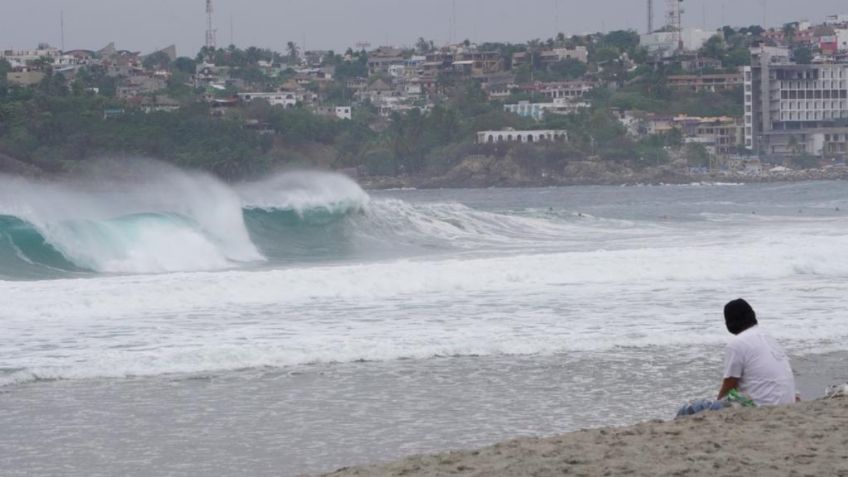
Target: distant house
x: 560, y: 89
x: 344, y: 112
x: 554, y: 55
x: 159, y: 103
x: 512, y: 136
x: 24, y: 76
x: 207, y: 74
x: 538, y: 111
x: 274, y: 98
x: 697, y: 63
x: 667, y: 43
x: 338, y: 112
x: 706, y: 82
x: 26, y: 57
x: 383, y: 58
x: 376, y: 90
x: 500, y: 85
x: 139, y: 86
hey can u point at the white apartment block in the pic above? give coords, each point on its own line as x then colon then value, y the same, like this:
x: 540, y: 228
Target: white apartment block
x: 792, y: 109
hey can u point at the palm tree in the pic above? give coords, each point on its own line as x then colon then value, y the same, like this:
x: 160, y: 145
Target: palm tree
x: 293, y: 51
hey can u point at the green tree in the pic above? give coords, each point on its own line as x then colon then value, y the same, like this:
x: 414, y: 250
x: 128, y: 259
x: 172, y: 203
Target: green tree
x: 185, y: 65
x: 5, y: 67
x: 803, y: 55
x: 697, y: 155
x: 714, y: 48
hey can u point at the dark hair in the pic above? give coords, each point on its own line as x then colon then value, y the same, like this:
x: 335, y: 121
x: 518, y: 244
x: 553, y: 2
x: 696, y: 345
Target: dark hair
x: 739, y: 316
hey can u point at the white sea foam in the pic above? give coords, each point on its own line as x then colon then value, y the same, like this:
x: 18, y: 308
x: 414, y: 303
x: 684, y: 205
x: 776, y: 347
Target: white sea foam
x: 591, y: 301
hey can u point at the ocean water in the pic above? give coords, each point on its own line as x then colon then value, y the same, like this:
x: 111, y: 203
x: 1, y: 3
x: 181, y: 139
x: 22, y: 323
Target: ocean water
x: 177, y: 325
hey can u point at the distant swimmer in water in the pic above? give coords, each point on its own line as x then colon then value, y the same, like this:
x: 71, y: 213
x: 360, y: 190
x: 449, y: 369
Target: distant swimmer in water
x: 837, y: 209
x: 580, y: 214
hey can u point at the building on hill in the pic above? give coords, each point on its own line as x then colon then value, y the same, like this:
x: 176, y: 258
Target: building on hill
x: 559, y: 89
x: 25, y: 76
x: 706, y: 82
x: 499, y: 86
x: 24, y: 58
x: 159, y: 103
x: 664, y: 43
x: 836, y: 19
x: 207, y: 74
x: 695, y: 63
x: 338, y: 112
x: 793, y: 109
x: 139, y: 86
x: 538, y: 111
x: 481, y: 62
x: 274, y: 98
x: 375, y: 91
x: 720, y: 135
x: 510, y: 135
x: 170, y: 52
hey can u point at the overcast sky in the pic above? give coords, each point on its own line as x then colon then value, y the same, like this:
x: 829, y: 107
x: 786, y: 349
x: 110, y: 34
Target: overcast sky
x: 145, y: 25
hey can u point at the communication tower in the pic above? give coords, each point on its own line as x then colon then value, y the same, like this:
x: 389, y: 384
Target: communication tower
x: 210, y: 32
x: 674, y: 20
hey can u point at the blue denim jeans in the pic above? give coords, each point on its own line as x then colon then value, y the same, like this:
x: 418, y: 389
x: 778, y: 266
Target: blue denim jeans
x: 700, y: 405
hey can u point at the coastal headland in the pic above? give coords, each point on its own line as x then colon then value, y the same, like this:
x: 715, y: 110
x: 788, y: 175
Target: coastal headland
x: 809, y: 438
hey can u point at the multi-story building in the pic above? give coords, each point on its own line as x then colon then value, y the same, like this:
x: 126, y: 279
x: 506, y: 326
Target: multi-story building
x: 560, y: 89
x: 793, y: 109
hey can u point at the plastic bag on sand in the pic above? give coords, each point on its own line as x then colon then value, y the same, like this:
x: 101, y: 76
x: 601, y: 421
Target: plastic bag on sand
x: 837, y: 390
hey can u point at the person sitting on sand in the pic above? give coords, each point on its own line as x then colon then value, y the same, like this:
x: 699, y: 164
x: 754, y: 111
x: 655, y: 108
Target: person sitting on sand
x: 756, y: 368
x: 754, y: 363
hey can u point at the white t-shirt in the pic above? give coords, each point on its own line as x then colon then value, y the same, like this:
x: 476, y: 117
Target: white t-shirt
x: 762, y: 367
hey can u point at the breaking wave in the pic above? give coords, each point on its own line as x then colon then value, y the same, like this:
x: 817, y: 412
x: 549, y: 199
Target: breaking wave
x: 175, y: 221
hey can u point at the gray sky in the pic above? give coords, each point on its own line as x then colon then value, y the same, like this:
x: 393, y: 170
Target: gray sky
x: 145, y: 25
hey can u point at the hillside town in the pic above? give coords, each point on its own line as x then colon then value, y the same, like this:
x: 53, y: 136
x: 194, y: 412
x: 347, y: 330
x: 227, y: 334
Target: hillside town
x: 746, y: 101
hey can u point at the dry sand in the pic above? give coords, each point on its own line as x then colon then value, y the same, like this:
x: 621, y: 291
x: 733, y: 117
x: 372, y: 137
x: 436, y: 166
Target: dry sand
x: 807, y: 439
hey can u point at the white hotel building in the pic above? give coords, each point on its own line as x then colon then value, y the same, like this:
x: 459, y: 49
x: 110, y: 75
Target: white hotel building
x: 792, y: 109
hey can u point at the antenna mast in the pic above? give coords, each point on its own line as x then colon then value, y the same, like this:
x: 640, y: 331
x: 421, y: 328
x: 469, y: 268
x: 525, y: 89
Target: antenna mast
x: 62, y: 28
x: 650, y: 16
x: 210, y: 32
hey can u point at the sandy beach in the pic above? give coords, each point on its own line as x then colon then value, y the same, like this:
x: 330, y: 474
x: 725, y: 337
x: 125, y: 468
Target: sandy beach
x: 805, y: 439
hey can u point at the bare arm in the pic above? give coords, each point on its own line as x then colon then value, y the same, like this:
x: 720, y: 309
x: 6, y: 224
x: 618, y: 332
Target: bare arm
x: 727, y: 385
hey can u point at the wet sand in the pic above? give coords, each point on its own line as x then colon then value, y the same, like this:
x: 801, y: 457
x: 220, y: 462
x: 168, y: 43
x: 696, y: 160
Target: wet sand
x: 804, y: 439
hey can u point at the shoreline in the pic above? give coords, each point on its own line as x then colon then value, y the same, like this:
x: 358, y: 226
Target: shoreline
x: 416, y: 182
x: 808, y: 438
